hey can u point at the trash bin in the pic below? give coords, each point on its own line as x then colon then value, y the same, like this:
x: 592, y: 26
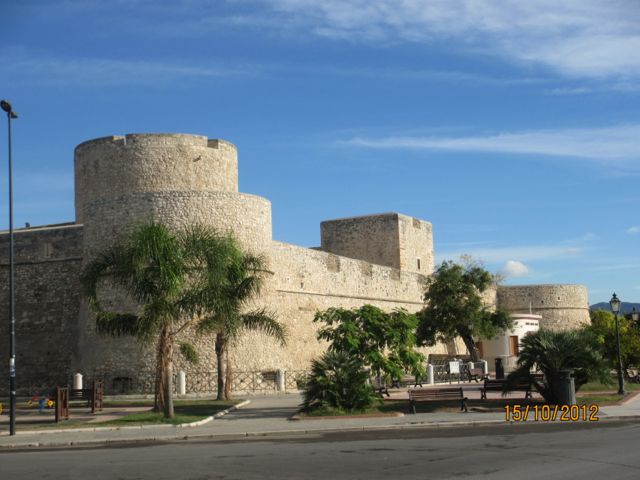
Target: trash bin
x: 566, y: 388
x: 499, y: 369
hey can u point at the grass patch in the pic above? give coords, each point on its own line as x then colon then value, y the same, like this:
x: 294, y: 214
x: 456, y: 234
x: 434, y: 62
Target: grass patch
x: 612, y: 387
x: 185, y: 412
x: 601, y: 400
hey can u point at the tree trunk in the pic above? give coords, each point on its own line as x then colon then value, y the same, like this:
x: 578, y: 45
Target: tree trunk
x: 167, y: 372
x: 158, y: 400
x: 471, y: 346
x: 222, y: 370
x: 228, y: 382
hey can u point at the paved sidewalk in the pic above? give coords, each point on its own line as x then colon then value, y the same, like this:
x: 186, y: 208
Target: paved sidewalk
x: 271, y: 415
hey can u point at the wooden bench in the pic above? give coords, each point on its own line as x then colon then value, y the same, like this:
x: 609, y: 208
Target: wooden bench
x: 499, y: 386
x: 477, y: 374
x: 406, y: 380
x: 94, y: 396
x: 379, y: 386
x: 437, y: 395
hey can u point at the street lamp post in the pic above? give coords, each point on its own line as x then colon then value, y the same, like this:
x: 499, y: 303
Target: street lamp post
x: 6, y: 106
x: 615, y: 308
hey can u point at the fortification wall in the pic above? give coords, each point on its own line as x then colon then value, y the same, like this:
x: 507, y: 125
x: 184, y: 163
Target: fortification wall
x: 306, y: 281
x: 562, y: 306
x: 47, y: 299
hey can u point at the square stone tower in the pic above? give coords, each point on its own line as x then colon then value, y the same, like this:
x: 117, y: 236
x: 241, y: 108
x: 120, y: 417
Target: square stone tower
x: 389, y: 239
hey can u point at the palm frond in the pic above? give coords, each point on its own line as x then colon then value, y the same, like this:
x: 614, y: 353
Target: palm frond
x: 265, y: 321
x: 118, y: 324
x: 189, y: 353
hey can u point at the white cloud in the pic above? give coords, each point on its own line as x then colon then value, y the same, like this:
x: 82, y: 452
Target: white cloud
x: 513, y: 268
x: 92, y: 72
x: 522, y: 253
x: 583, y: 38
x: 634, y: 229
x: 605, y: 145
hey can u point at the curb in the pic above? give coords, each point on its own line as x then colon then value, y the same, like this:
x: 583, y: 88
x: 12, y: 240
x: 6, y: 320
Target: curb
x: 298, y: 418
x: 133, y: 427
x: 296, y: 432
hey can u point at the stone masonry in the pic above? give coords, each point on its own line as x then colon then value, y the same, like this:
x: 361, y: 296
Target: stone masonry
x: 121, y: 182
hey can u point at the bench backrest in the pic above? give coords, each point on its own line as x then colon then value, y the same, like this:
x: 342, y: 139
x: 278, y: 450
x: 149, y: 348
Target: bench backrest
x: 495, y: 384
x: 435, y: 393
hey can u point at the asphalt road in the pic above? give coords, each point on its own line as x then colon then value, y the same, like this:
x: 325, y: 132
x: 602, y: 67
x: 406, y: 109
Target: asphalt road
x: 504, y: 452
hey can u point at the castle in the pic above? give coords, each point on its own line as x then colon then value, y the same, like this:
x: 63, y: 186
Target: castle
x: 185, y: 179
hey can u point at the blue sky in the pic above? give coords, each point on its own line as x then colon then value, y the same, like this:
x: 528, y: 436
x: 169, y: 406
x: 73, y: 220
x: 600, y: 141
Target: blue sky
x: 512, y: 126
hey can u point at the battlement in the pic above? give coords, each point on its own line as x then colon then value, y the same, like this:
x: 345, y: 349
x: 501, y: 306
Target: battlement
x: 160, y: 140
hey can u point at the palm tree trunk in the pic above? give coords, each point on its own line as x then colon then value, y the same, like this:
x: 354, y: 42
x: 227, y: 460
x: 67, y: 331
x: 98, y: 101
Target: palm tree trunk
x: 167, y: 372
x: 158, y: 399
x: 222, y: 370
x: 227, y: 377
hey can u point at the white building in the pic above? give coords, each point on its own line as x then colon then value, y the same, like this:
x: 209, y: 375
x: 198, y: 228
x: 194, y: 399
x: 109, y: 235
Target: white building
x: 507, y: 345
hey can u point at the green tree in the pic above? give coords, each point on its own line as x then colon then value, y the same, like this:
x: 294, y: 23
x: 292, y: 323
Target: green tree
x: 383, y: 341
x: 338, y: 381
x: 156, y: 268
x: 454, y: 307
x: 550, y: 352
x: 225, y: 311
x: 604, y: 329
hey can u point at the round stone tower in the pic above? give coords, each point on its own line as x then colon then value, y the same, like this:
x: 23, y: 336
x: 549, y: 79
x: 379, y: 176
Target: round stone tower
x: 562, y: 307
x: 175, y: 179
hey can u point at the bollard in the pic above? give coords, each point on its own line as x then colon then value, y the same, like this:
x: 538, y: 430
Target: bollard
x: 430, y: 379
x: 499, y: 369
x: 280, y: 380
x: 485, y: 367
x: 182, y: 383
x: 77, y: 381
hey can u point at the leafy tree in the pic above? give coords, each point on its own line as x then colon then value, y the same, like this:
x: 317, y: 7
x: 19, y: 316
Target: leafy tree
x: 223, y: 308
x: 455, y: 307
x: 156, y: 269
x: 383, y: 341
x: 550, y: 352
x: 604, y: 330
x: 338, y: 381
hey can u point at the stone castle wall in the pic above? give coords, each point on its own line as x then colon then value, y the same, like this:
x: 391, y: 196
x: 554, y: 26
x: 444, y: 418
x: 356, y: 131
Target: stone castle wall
x: 183, y: 180
x: 561, y: 306
x: 47, y: 298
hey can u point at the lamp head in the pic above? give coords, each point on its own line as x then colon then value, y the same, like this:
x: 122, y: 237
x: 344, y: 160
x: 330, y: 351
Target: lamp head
x: 6, y: 106
x: 634, y: 314
x: 615, y: 304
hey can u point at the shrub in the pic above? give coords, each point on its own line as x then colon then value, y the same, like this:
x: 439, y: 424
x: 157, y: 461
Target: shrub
x: 338, y: 381
x: 549, y: 352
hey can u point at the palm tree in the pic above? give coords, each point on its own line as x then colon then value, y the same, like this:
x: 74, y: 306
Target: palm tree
x: 550, y: 352
x: 224, y: 311
x: 158, y: 269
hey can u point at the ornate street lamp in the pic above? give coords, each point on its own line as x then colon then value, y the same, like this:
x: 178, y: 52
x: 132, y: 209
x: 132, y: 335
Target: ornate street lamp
x: 635, y: 315
x: 6, y: 106
x: 615, y: 308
